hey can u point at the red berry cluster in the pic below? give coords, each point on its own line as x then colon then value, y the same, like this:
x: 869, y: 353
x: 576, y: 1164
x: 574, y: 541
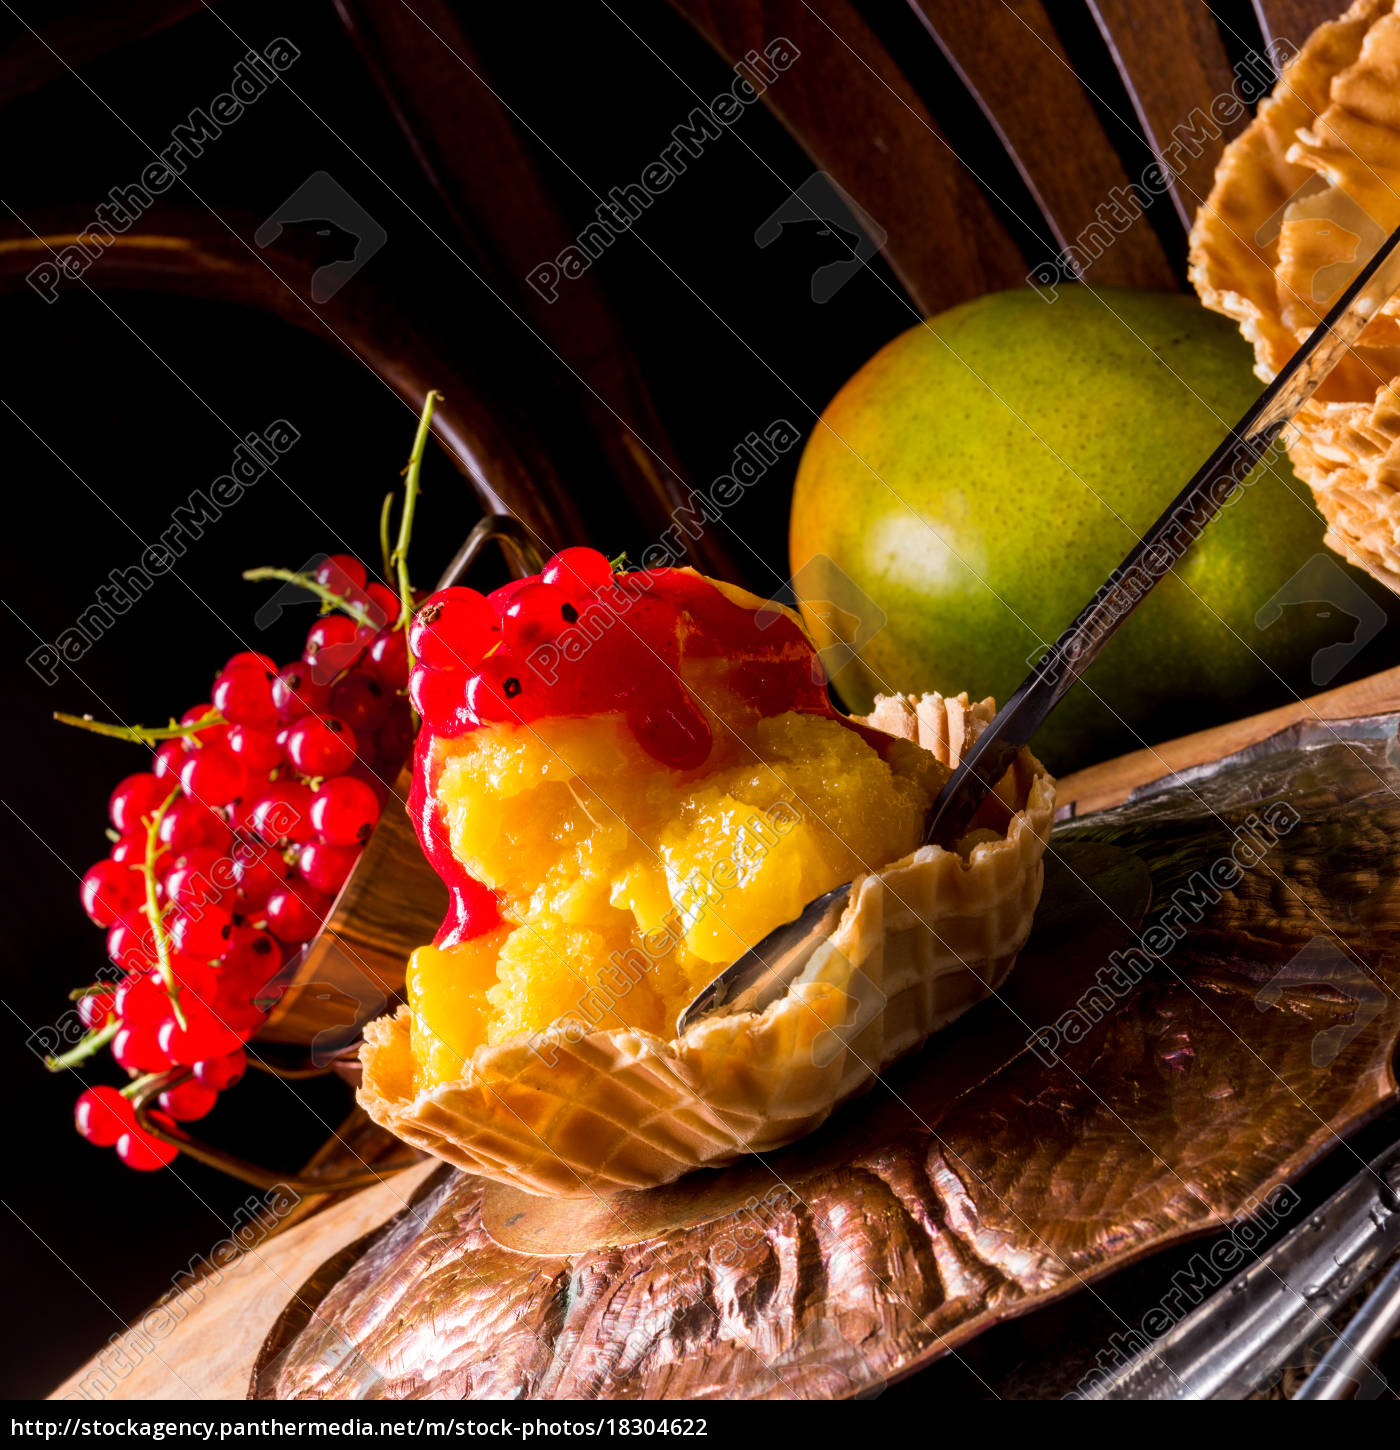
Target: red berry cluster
x: 577, y: 639
x: 248, y: 824
x: 473, y: 651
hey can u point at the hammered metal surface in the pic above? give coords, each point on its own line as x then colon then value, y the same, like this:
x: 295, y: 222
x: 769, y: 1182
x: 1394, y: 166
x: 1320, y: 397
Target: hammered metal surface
x: 975, y: 1182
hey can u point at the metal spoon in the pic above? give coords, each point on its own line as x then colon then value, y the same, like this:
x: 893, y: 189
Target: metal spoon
x: 766, y: 971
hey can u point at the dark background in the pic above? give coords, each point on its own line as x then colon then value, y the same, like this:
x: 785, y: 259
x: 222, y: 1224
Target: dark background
x: 116, y: 405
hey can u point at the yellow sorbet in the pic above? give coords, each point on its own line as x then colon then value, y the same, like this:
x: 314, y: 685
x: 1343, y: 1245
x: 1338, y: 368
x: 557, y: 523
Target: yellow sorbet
x: 625, y: 885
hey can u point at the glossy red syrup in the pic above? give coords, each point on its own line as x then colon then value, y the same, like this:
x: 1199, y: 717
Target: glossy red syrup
x: 579, y: 640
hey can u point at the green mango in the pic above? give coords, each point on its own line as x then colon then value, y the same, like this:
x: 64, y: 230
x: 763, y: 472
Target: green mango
x: 968, y: 490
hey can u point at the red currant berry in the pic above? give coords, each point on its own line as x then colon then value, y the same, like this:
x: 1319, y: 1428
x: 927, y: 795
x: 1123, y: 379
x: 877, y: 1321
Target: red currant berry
x: 188, y: 1101
x: 326, y: 867
x: 190, y: 883
x: 169, y: 756
x: 282, y: 813
x: 220, y: 1073
x: 236, y: 814
x: 256, y: 748
x: 331, y: 645
x: 323, y: 746
x: 500, y: 598
x: 580, y: 571
x: 452, y: 629
x: 244, y: 999
x: 252, y: 953
x: 102, y: 1115
x: 141, y: 1000
x: 360, y: 701
x: 135, y: 799
x: 437, y: 695
x: 537, y: 613
x: 109, y: 891
x: 138, y: 1049
x: 190, y: 823
x: 143, y: 1152
x: 131, y: 850
x: 258, y: 873
x: 258, y: 876
x: 384, y: 604
x: 295, y: 912
x: 494, y: 692
x: 342, y: 574
x: 296, y: 691
x: 130, y: 943
x: 214, y: 776
x: 244, y: 696
x: 250, y: 657
x: 95, y: 1008
x: 204, y: 936
x: 388, y: 658
x: 193, y: 977
x: 343, y: 811
x: 204, y: 1035
x: 208, y: 735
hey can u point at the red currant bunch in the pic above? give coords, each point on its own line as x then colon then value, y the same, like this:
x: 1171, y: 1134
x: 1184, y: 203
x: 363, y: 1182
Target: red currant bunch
x: 228, y: 853
x: 482, y: 658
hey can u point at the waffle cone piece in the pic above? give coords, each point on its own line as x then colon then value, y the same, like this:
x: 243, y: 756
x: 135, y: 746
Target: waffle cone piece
x: 1301, y: 201
x: 574, y: 1115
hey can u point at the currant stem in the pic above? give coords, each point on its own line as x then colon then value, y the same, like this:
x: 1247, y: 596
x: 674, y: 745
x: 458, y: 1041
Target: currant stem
x: 141, y: 734
x: 94, y: 1041
x: 328, y: 597
x: 138, y: 1083
x: 94, y: 990
x: 412, y: 474
x: 386, y: 518
x: 162, y: 941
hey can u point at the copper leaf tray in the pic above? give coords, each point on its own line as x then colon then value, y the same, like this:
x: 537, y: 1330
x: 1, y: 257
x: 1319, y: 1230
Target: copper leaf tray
x: 982, y: 1178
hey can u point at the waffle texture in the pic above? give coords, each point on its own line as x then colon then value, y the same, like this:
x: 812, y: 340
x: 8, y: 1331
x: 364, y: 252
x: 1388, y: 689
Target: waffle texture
x: 1301, y: 200
x: 572, y: 1113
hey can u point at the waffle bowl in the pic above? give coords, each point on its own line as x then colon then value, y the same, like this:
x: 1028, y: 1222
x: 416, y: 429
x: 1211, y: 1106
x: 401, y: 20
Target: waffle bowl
x: 570, y: 1115
x: 1301, y: 200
